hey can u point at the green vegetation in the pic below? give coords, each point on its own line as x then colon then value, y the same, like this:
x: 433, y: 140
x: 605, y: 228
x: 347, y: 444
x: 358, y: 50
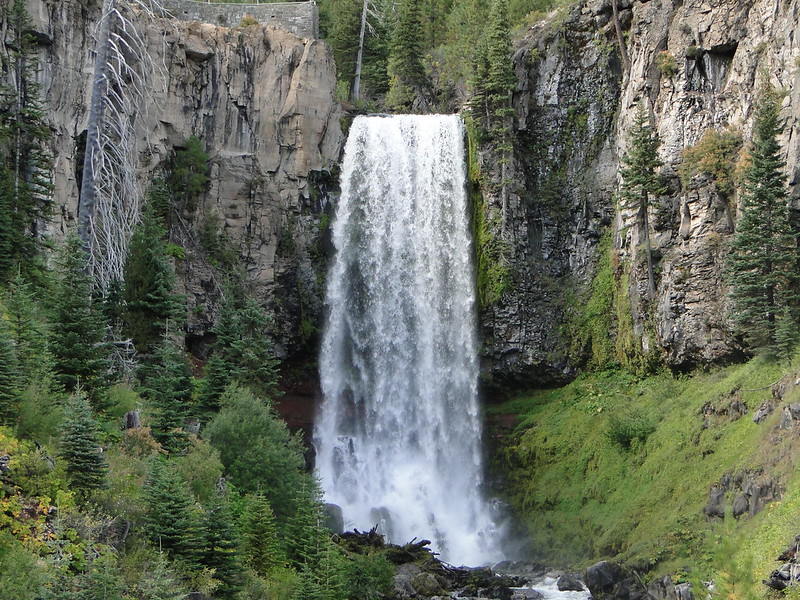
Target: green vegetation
x: 762, y: 264
x: 493, y: 80
x: 188, y: 173
x: 620, y: 467
x: 593, y: 318
x: 24, y: 157
x: 81, y: 446
x: 78, y: 328
x: 642, y: 184
x: 715, y: 155
x: 493, y: 275
x: 408, y: 45
x: 666, y: 63
x: 149, y: 299
x: 407, y: 78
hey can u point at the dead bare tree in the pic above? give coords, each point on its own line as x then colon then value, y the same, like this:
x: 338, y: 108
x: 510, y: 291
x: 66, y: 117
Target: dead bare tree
x: 368, y: 9
x: 111, y: 195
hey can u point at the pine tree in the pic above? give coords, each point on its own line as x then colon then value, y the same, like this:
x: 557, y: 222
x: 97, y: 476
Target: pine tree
x: 260, y: 536
x: 188, y: 172
x: 641, y: 183
x: 168, y: 386
x: 81, y: 446
x: 29, y: 330
x: 500, y: 80
x: 407, y: 78
x: 78, y: 329
x: 221, y: 548
x: 102, y: 580
x: 25, y: 187
x: 171, y: 521
x: 243, y: 352
x: 257, y: 449
x: 8, y: 236
x: 9, y: 376
x: 306, y: 536
x: 148, y: 292
x: 763, y: 260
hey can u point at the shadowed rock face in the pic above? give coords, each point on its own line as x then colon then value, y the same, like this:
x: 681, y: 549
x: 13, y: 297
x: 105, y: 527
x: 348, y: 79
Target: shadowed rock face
x: 262, y: 101
x: 574, y: 109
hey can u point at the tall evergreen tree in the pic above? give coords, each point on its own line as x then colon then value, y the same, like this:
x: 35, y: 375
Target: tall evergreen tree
x: 243, y: 352
x: 188, y: 172
x: 171, y: 521
x: 407, y: 79
x: 221, y: 548
x: 641, y: 183
x: 762, y: 265
x: 78, y: 328
x: 25, y: 187
x: 81, y: 446
x: 305, y: 534
x: 148, y: 293
x: 9, y: 375
x: 260, y: 542
x: 29, y: 330
x: 495, y: 81
x: 168, y: 386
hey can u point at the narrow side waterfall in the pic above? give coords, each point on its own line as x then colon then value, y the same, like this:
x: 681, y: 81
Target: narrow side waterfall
x: 398, y: 435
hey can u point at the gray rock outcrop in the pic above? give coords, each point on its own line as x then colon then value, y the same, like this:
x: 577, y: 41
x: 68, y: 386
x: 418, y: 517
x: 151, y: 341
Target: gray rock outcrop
x: 575, y: 106
x: 262, y: 101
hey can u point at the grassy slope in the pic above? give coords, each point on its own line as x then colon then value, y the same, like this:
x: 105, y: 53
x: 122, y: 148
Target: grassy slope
x: 584, y: 496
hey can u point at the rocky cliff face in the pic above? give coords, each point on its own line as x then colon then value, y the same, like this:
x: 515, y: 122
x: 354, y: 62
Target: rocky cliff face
x: 261, y: 100
x: 575, y: 106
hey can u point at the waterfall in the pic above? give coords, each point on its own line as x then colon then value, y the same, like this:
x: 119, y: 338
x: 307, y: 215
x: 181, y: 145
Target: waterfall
x: 399, y: 430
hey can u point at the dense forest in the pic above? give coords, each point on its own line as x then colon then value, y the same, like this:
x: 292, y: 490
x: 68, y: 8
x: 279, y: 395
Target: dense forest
x: 132, y: 469
x: 108, y: 491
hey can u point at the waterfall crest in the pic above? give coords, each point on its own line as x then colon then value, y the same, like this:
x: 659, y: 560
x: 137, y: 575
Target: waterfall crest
x: 398, y: 434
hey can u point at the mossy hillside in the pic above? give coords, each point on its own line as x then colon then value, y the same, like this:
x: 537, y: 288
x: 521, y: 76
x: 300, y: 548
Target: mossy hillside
x: 620, y: 467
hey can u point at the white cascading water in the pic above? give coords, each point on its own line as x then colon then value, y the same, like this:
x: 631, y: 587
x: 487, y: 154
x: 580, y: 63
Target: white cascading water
x: 398, y: 434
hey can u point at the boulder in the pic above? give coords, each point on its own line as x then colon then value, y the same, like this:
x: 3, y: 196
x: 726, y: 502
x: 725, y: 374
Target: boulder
x: 426, y: 584
x: 527, y: 594
x: 716, y: 503
x: 403, y: 587
x: 794, y: 410
x: 684, y: 591
x: 602, y: 577
x: 786, y: 419
x: 662, y: 589
x: 740, y: 505
x: 568, y: 583
x: 762, y: 413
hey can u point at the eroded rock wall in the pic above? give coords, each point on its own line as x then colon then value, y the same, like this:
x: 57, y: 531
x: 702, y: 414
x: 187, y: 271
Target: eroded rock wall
x: 576, y: 103
x: 262, y: 101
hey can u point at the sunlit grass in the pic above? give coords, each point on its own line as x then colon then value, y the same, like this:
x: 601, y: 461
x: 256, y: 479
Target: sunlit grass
x: 619, y: 467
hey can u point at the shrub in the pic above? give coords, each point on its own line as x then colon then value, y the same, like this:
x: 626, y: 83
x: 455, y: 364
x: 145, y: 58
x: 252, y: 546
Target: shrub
x: 666, y: 63
x: 631, y: 425
x: 248, y: 21
x: 715, y: 154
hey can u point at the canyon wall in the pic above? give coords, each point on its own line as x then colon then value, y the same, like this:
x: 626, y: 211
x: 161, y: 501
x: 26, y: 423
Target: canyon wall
x: 693, y: 66
x: 261, y: 99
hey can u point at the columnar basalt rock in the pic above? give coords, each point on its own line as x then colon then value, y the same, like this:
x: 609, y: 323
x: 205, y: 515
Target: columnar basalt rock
x: 694, y: 66
x: 262, y: 101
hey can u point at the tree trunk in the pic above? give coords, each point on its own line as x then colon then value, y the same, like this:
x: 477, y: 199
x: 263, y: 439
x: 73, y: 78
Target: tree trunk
x: 645, y: 221
x: 623, y: 51
x: 86, y: 202
x: 354, y: 96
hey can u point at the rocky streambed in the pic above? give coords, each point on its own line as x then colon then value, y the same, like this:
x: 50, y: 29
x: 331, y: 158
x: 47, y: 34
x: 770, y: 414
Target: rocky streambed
x: 421, y: 575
